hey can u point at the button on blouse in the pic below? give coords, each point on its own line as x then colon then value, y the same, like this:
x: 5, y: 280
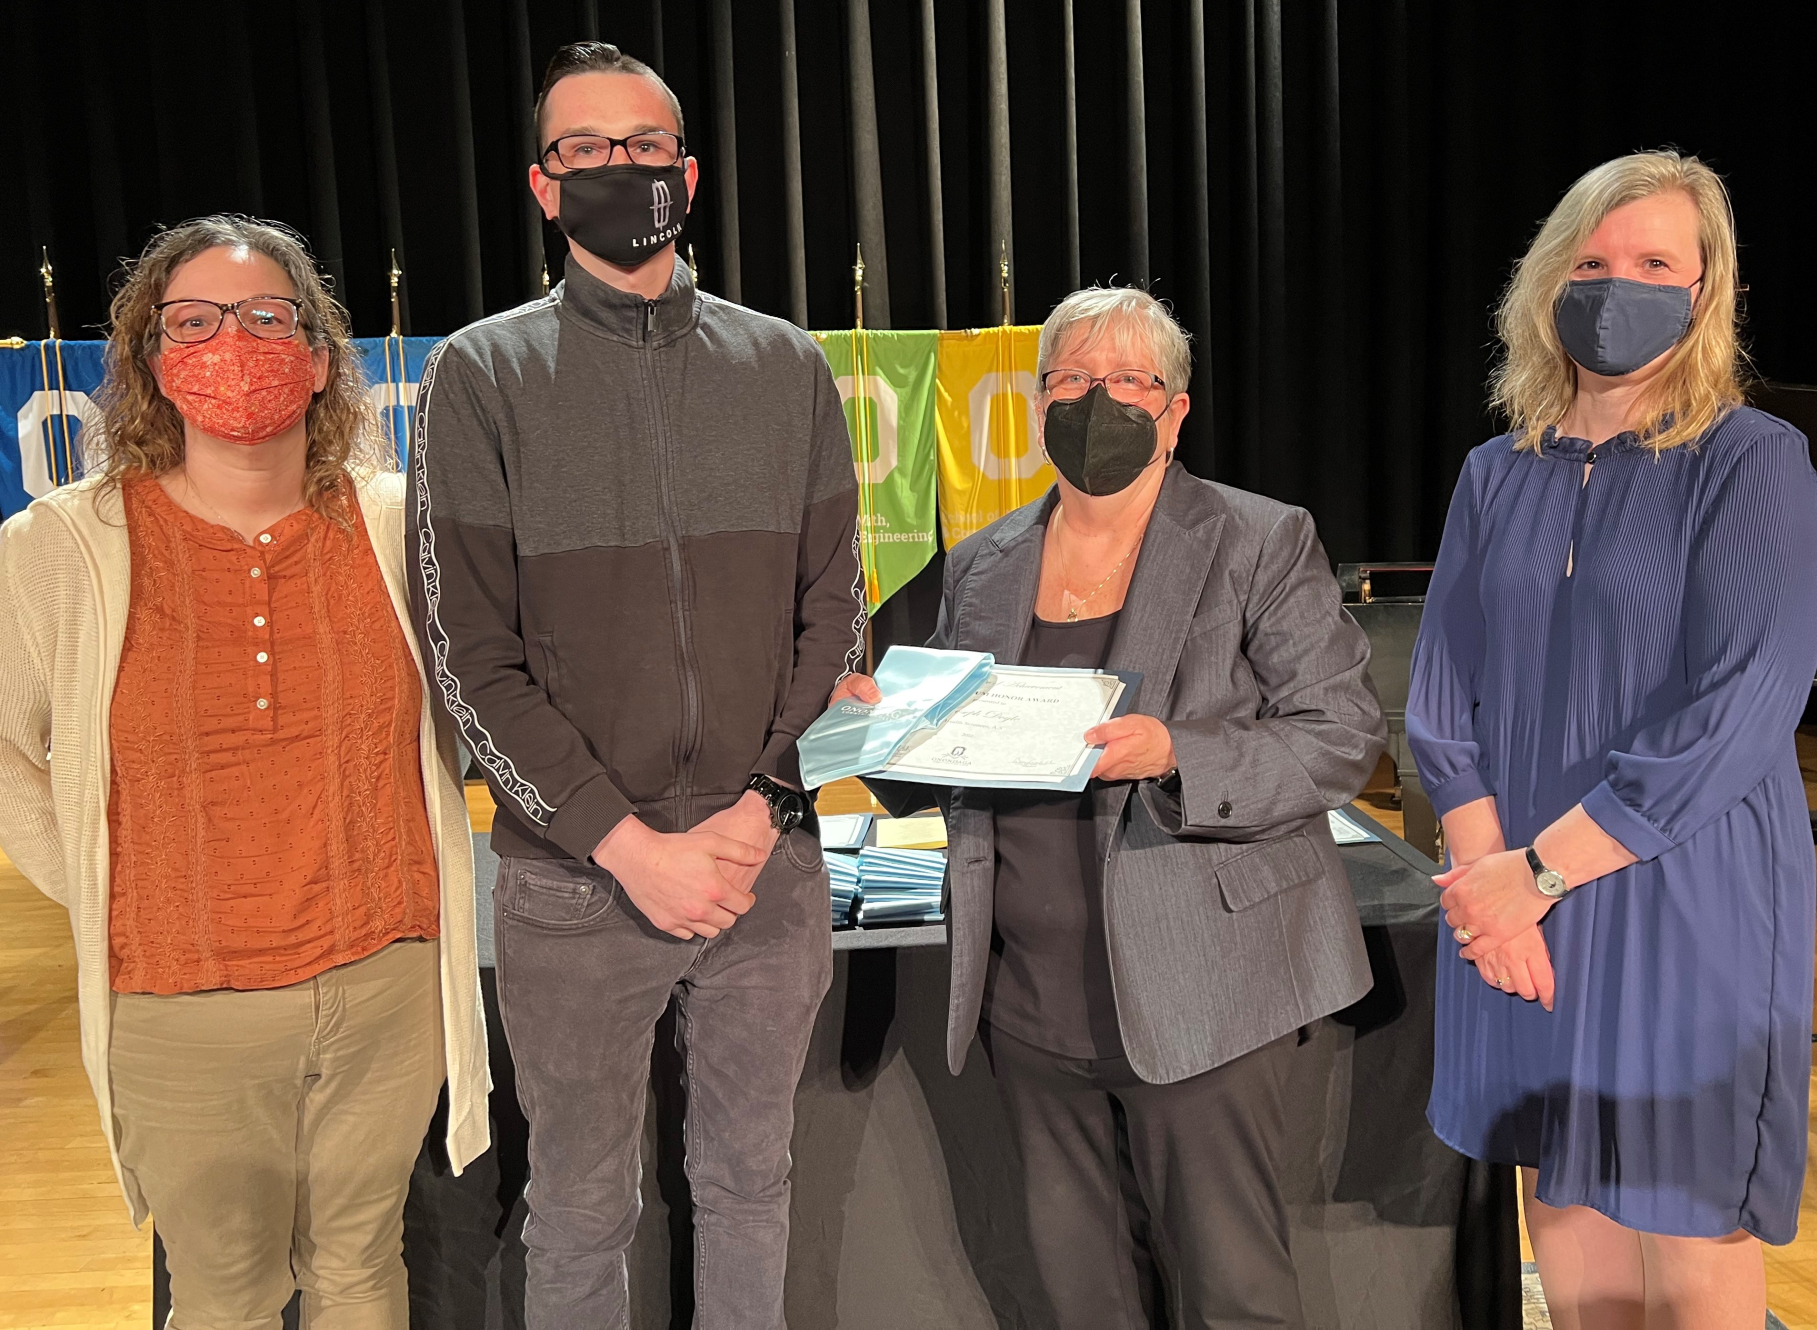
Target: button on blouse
x: 267, y: 812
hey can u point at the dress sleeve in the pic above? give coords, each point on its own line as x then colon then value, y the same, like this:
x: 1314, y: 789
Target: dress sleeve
x: 1748, y: 632
x: 1448, y: 661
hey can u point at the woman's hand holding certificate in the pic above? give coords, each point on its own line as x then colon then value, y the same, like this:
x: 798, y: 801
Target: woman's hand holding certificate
x: 1017, y: 727
x: 1135, y: 747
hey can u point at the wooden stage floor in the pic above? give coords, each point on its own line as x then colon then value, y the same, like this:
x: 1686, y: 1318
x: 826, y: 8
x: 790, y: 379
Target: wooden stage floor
x: 68, y: 1253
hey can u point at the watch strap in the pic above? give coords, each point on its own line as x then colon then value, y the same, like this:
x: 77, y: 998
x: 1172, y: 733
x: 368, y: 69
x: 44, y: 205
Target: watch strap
x: 788, y: 808
x: 1543, y: 875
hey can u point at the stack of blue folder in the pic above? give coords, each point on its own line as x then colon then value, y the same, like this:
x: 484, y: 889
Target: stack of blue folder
x: 898, y: 886
x: 842, y: 873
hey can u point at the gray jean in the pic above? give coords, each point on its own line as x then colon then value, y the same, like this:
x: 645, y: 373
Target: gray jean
x: 583, y: 978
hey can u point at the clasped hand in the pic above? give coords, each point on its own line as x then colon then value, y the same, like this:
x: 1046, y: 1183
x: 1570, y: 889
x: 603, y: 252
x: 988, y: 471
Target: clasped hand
x: 1494, y: 899
x: 1135, y: 747
x: 692, y: 883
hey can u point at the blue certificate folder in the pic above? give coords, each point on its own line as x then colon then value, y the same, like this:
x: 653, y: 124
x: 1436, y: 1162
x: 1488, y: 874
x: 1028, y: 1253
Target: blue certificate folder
x: 920, y: 688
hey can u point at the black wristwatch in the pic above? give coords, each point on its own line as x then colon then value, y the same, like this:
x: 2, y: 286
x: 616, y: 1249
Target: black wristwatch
x: 788, y: 808
x: 1549, y: 881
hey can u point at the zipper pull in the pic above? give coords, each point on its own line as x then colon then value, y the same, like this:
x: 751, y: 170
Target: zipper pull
x: 649, y: 319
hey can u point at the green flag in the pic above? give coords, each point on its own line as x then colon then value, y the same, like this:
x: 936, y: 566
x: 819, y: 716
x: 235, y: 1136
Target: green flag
x: 886, y: 380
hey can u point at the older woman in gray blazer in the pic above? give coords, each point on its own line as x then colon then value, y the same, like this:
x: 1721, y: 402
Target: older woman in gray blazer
x: 1140, y: 959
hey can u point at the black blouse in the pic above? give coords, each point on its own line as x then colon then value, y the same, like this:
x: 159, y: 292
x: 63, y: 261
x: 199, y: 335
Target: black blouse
x: 1048, y: 981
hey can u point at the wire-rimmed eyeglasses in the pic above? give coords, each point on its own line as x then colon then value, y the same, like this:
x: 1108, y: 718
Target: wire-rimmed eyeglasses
x: 1129, y: 386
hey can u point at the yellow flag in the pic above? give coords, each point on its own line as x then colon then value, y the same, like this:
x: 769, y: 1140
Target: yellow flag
x: 990, y: 452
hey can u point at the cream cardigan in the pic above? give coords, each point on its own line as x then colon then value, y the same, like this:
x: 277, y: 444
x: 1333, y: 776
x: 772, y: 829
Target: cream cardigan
x: 65, y: 579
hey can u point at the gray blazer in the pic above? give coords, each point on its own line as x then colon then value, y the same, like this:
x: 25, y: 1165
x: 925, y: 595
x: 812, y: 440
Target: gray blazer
x: 1228, y: 915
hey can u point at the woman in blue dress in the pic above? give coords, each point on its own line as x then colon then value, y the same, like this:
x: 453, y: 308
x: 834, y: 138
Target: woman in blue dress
x: 1618, y: 641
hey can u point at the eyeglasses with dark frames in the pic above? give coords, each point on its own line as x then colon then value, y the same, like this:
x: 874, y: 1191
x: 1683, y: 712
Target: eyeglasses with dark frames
x: 271, y: 318
x: 580, y: 152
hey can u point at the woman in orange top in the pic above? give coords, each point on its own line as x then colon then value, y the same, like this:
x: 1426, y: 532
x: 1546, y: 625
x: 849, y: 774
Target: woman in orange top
x: 252, y: 811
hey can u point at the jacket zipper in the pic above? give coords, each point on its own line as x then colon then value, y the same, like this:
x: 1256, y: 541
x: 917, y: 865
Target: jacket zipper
x: 678, y: 580
x: 1577, y: 518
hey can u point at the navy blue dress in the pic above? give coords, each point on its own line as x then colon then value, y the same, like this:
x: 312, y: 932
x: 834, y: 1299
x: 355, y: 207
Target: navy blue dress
x: 1658, y: 682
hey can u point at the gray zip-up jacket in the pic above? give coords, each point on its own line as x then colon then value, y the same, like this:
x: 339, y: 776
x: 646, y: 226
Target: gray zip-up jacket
x: 633, y: 547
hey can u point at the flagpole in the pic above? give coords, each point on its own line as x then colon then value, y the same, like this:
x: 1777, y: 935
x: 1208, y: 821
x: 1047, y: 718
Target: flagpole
x: 867, y: 536
x: 1009, y: 495
x: 394, y: 388
x: 56, y: 337
x: 1003, y: 274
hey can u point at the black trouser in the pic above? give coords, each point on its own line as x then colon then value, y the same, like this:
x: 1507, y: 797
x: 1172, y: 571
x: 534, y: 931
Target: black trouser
x: 1127, y: 1181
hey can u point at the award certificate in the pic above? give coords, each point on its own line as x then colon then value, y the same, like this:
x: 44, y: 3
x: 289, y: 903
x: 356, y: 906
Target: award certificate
x: 1025, y: 729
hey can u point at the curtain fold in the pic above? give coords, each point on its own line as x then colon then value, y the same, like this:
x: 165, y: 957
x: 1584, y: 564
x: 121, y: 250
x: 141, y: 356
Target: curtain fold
x: 466, y: 171
x: 867, y: 168
x: 384, y: 146
x: 795, y: 254
x: 1329, y: 194
x: 930, y: 129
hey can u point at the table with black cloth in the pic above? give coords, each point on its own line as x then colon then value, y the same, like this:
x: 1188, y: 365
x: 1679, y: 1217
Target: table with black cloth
x: 907, y: 1205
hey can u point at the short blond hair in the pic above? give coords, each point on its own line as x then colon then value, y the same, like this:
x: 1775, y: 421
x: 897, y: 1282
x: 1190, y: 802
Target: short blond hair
x: 1535, y: 381
x: 1124, y: 312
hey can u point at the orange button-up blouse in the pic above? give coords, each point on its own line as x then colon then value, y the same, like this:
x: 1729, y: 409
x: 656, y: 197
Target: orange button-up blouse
x: 266, y: 811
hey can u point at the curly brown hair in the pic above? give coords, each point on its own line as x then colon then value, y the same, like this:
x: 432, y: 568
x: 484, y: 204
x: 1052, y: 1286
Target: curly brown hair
x: 141, y: 429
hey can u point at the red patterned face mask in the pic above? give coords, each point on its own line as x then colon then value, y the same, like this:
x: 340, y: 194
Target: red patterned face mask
x: 238, y: 387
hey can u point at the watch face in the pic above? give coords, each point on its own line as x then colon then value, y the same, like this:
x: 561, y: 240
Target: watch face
x: 1552, y: 883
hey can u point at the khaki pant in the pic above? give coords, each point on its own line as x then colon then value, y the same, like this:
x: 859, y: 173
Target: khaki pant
x: 273, y: 1134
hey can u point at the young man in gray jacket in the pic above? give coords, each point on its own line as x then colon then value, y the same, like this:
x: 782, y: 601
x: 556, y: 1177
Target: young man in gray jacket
x: 633, y: 527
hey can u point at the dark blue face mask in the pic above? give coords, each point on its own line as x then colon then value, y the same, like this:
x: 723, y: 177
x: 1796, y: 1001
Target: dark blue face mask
x: 1614, y: 325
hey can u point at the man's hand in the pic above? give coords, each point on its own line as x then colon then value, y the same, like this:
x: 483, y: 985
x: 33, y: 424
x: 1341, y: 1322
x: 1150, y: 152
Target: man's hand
x: 1493, y: 900
x: 748, y: 822
x: 1135, y: 748
x: 858, y: 687
x: 678, y: 879
x: 1521, y: 965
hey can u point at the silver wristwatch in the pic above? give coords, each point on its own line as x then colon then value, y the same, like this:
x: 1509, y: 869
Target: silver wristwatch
x: 1550, y: 881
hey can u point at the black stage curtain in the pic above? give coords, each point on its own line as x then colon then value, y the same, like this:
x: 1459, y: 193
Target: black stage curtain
x: 1331, y: 193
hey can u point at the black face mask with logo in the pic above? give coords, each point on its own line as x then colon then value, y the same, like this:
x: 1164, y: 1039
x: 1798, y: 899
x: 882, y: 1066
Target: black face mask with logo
x: 624, y: 214
x: 1098, y: 443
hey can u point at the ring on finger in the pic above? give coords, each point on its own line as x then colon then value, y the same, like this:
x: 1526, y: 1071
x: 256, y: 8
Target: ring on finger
x: 1462, y: 934
x: 1504, y: 982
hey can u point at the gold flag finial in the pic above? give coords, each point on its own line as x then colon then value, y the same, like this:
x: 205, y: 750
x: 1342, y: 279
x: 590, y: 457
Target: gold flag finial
x: 50, y: 296
x: 397, y: 317
x: 858, y: 289
x: 1003, y: 274
x: 545, y: 277
x: 693, y: 267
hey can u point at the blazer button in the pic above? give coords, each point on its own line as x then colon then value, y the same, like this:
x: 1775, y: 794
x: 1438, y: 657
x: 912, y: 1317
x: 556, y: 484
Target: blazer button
x: 1224, y: 809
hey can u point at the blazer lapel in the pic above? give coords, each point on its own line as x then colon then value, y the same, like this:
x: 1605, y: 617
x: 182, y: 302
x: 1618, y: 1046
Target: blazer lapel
x: 998, y: 603
x: 1171, y: 571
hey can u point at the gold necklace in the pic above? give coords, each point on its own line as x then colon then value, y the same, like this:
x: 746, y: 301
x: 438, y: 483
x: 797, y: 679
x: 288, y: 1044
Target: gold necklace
x: 190, y: 485
x: 1079, y: 603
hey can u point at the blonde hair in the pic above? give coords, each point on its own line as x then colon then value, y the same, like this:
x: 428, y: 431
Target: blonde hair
x: 1121, y: 311
x: 1535, y: 382
x: 142, y: 431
